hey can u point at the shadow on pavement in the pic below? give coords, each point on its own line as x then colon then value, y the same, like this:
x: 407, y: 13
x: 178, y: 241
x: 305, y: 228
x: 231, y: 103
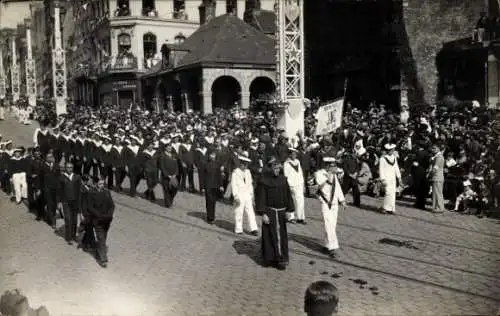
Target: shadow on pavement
x: 223, y: 224
x: 308, y: 242
x: 250, y: 248
x: 199, y: 215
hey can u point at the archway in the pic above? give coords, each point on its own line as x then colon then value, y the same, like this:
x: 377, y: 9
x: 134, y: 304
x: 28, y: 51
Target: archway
x: 261, y: 91
x: 176, y: 90
x: 161, y: 95
x: 226, y: 92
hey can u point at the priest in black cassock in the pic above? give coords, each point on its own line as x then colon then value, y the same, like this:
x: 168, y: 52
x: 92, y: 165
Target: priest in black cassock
x: 273, y: 201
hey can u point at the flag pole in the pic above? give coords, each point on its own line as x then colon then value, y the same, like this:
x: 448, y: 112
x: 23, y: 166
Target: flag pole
x: 345, y: 84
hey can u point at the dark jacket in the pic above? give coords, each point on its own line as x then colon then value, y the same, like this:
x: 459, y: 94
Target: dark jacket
x: 212, y: 175
x: 69, y: 189
x: 100, y: 205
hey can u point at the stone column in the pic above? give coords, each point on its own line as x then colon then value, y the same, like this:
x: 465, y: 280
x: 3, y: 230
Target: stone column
x: 59, y: 65
x: 186, y: 106
x: 30, y: 70
x: 245, y: 100
x: 492, y: 81
x: 14, y: 71
x: 206, y: 102
x: 2, y: 78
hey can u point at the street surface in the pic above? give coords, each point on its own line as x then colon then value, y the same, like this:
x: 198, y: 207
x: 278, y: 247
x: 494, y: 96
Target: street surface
x: 170, y: 262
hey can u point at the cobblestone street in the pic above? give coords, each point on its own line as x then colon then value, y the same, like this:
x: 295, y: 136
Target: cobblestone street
x: 170, y: 262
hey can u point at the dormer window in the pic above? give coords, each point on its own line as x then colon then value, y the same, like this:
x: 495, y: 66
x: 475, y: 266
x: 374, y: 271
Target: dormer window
x: 123, y: 8
x: 179, y: 38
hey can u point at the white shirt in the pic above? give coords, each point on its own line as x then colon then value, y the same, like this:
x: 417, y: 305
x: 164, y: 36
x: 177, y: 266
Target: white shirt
x: 241, y: 184
x: 294, y: 176
x: 322, y: 178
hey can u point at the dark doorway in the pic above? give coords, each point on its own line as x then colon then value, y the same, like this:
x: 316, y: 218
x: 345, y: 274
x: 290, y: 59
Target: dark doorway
x: 226, y: 92
x: 176, y: 90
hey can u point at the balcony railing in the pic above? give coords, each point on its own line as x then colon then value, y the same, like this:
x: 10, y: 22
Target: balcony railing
x: 151, y: 62
x: 149, y: 12
x: 152, y: 13
x: 122, y: 12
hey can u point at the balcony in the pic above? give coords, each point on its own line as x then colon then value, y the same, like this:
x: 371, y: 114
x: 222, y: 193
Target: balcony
x: 125, y: 62
x: 149, y: 12
x: 151, y: 62
x: 121, y: 63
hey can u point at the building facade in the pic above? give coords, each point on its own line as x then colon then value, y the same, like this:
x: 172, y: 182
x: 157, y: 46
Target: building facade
x: 118, y: 41
x: 13, y: 12
x: 226, y: 64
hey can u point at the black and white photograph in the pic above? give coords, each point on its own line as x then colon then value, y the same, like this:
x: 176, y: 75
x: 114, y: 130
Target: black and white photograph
x: 249, y: 157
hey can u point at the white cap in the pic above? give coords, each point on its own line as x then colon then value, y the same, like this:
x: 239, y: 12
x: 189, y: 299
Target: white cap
x: 467, y: 183
x: 389, y: 146
x: 244, y: 156
x: 329, y: 159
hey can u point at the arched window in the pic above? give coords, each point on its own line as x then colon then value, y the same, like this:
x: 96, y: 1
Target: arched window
x: 232, y: 6
x: 124, y: 43
x: 123, y: 8
x: 148, y: 8
x: 180, y: 9
x: 149, y: 42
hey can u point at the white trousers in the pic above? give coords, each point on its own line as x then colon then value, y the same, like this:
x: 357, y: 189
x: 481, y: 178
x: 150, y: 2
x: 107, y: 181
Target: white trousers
x: 245, y: 206
x: 2, y: 113
x: 298, y: 201
x: 390, y: 197
x: 20, y: 186
x: 330, y: 220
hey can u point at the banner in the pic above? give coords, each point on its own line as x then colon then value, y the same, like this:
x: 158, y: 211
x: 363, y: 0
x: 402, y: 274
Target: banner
x: 329, y: 117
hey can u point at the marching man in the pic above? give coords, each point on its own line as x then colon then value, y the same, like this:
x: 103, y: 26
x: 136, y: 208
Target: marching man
x: 242, y: 187
x: 295, y: 179
x: 2, y: 109
x: 331, y: 196
x: 390, y: 177
x: 17, y: 168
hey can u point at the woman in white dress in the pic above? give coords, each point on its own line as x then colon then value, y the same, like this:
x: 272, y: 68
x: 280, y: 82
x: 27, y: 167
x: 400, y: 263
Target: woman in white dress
x: 390, y: 176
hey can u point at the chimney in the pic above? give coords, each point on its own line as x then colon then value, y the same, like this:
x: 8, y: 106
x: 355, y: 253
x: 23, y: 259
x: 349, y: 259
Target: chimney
x: 207, y: 11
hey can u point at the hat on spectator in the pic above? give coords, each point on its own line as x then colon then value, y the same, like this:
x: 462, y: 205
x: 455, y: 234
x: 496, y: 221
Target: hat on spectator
x: 244, y: 156
x: 467, y: 183
x: 389, y: 146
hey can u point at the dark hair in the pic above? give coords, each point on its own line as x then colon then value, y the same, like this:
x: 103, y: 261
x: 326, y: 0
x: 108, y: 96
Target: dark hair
x: 321, y: 299
x: 13, y: 303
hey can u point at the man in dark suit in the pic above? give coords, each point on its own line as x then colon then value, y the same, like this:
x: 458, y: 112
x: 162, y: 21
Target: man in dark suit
x: 169, y: 169
x: 34, y: 189
x: 186, y: 165
x: 101, y: 207
x: 88, y: 239
x: 50, y: 185
x: 69, y: 191
x: 212, y: 184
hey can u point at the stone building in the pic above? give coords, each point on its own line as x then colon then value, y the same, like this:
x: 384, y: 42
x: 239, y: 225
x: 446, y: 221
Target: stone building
x: 13, y: 12
x: 384, y: 48
x: 225, y: 63
x: 118, y: 41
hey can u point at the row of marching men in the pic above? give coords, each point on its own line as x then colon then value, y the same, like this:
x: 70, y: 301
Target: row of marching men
x: 169, y: 161
x: 53, y: 191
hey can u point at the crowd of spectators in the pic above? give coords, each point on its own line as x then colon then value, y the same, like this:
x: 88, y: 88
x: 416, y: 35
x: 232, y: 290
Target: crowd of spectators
x: 467, y: 134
